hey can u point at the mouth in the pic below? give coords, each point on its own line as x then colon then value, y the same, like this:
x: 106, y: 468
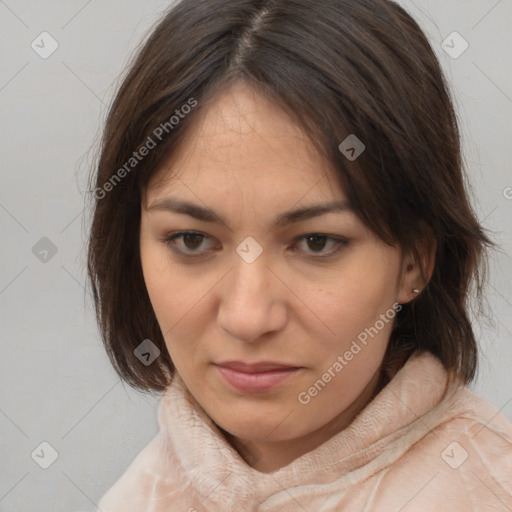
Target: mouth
x: 257, y: 377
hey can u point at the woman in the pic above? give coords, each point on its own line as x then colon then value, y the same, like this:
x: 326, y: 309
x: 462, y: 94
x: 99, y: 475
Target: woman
x: 283, y: 247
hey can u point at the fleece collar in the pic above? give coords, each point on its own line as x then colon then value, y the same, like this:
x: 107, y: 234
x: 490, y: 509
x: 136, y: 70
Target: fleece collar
x: 404, y: 411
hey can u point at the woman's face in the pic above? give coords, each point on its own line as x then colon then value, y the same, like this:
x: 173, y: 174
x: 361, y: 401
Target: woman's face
x: 277, y: 309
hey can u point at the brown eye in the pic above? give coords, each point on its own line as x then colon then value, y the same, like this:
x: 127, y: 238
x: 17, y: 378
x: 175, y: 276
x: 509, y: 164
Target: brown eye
x: 316, y: 242
x: 192, y: 241
x: 187, y: 244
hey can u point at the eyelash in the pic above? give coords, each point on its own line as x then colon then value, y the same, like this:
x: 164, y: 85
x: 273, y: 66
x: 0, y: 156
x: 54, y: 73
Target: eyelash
x: 169, y: 241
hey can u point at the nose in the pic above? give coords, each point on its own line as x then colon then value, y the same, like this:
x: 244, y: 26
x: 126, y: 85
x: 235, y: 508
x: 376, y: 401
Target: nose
x: 251, y: 302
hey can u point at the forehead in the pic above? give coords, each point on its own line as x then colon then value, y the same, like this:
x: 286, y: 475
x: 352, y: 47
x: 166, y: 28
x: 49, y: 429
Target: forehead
x: 244, y: 141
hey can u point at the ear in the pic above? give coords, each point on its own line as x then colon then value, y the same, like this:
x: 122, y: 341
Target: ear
x: 417, y: 268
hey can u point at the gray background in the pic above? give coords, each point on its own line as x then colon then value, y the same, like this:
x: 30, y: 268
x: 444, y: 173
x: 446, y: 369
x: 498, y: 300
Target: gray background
x: 56, y: 382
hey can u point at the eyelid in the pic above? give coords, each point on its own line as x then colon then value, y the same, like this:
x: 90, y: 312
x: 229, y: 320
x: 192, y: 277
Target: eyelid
x: 340, y: 242
x: 168, y: 240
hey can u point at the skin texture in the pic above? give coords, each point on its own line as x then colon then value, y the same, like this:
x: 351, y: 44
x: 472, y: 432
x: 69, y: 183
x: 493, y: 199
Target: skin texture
x: 245, y: 159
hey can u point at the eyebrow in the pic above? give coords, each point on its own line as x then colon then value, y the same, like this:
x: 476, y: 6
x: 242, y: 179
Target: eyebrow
x: 289, y: 217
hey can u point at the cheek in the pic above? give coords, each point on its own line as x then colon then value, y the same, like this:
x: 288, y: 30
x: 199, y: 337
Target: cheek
x: 362, y: 311
x: 171, y: 293
x: 177, y: 295
x: 345, y: 358
x: 157, y: 275
x: 352, y: 300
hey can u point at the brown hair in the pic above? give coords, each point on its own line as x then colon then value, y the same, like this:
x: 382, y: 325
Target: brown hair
x: 338, y: 67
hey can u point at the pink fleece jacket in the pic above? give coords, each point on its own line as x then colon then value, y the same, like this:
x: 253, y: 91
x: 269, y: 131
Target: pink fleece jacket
x: 409, y: 450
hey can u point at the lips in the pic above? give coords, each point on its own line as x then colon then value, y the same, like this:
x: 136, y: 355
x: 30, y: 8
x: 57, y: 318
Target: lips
x: 259, y: 377
x: 255, y: 367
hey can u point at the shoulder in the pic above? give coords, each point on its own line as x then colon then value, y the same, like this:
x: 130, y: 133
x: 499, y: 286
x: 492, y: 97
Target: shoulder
x: 135, y: 486
x: 484, y: 433
x: 464, y: 462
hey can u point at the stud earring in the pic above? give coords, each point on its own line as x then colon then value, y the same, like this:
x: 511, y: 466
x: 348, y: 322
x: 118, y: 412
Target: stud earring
x: 415, y: 290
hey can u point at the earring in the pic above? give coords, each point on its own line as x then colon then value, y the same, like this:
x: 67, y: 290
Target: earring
x: 415, y: 290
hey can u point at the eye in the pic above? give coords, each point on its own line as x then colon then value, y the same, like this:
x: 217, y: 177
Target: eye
x: 191, y: 244
x: 317, y: 242
x: 186, y: 243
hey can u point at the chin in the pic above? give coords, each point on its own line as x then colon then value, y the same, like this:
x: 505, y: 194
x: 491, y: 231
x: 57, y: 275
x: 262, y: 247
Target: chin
x: 261, y: 426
